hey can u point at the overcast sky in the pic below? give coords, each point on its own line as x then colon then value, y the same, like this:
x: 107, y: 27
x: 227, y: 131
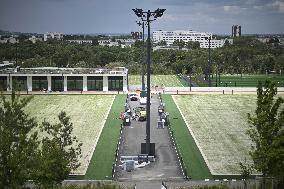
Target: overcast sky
x: 116, y: 16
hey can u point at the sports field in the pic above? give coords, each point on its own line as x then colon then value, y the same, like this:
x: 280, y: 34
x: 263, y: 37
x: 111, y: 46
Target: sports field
x: 246, y: 80
x: 88, y: 114
x: 219, y: 124
x: 157, y: 80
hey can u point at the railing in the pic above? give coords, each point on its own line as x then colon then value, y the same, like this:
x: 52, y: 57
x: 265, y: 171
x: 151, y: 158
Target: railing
x: 115, y: 163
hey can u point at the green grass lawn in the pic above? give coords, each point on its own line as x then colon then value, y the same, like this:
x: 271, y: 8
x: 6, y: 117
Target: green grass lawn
x: 87, y: 112
x: 246, y: 80
x: 219, y: 123
x: 100, y: 167
x: 192, y: 158
x: 166, y: 80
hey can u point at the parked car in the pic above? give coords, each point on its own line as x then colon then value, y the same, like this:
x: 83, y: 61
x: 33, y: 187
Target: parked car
x: 133, y: 97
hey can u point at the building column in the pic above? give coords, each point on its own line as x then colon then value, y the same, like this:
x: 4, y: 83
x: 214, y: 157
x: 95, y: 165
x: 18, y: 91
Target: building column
x: 9, y: 83
x: 65, y: 83
x: 105, y: 83
x: 48, y: 83
x: 85, y: 83
x: 30, y: 83
x: 125, y: 84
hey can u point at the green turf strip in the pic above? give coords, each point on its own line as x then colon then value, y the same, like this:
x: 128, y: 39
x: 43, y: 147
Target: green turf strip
x: 195, y: 165
x: 100, y: 167
x: 246, y: 80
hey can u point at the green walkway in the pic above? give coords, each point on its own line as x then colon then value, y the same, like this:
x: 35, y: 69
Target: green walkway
x: 195, y: 165
x: 100, y: 167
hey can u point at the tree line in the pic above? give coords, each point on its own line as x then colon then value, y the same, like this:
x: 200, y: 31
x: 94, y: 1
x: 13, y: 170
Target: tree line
x: 245, y: 55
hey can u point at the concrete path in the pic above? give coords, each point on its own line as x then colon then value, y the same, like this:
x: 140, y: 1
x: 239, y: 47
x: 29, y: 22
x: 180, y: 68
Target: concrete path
x: 165, y: 168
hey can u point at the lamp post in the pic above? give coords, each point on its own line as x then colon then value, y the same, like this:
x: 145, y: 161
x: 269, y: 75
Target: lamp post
x: 142, y: 57
x: 148, y: 17
x: 209, y: 61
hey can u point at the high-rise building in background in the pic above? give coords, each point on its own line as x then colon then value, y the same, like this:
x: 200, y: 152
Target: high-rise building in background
x: 236, y: 31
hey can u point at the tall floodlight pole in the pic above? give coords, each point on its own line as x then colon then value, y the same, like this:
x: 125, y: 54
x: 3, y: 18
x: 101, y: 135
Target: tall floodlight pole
x: 142, y: 57
x: 146, y: 16
x: 209, y: 61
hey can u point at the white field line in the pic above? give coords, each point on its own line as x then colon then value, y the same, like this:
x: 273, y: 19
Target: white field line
x: 98, y: 137
x: 196, y: 142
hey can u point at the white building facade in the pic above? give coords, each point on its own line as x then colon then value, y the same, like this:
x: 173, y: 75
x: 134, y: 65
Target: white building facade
x: 53, y: 35
x: 186, y: 36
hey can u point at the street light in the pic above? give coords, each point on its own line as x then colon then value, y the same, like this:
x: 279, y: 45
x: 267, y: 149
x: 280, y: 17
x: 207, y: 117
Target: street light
x: 146, y: 17
x: 208, y: 71
x: 142, y: 58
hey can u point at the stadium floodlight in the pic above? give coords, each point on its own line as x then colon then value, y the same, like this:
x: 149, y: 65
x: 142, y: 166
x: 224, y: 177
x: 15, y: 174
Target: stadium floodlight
x: 138, y: 12
x: 146, y: 17
x: 159, y: 13
x: 208, y: 71
x: 142, y: 24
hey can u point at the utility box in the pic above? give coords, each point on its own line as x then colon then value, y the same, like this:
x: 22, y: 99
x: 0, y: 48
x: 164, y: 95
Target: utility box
x: 129, y: 165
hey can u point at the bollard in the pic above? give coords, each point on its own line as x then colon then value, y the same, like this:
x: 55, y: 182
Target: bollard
x: 232, y: 92
x: 223, y: 91
x: 177, y: 91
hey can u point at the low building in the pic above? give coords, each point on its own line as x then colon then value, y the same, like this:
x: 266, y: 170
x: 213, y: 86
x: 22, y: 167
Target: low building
x: 53, y: 35
x: 81, y: 41
x: 64, y: 79
x: 10, y: 39
x: 34, y: 39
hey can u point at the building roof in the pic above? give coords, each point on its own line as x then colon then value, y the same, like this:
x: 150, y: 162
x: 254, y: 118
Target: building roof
x: 55, y: 70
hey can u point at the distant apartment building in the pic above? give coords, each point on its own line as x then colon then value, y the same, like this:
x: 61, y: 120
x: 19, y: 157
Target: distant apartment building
x: 186, y: 36
x: 236, y: 31
x: 53, y: 35
x: 81, y: 41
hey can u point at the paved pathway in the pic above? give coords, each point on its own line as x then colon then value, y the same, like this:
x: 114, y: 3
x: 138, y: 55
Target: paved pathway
x: 165, y: 168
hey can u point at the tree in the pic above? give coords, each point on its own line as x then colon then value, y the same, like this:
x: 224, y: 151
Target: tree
x: 179, y: 43
x: 59, y: 153
x: 95, y: 42
x: 162, y: 43
x: 18, y: 142
x: 267, y: 133
x: 246, y: 170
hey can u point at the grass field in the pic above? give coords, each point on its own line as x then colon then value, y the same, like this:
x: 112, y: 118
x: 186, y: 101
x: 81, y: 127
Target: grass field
x: 219, y: 123
x: 157, y: 80
x: 246, y: 80
x: 100, y: 167
x: 192, y: 158
x: 87, y: 112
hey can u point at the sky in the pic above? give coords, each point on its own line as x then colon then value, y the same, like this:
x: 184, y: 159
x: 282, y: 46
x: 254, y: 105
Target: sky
x: 116, y: 16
